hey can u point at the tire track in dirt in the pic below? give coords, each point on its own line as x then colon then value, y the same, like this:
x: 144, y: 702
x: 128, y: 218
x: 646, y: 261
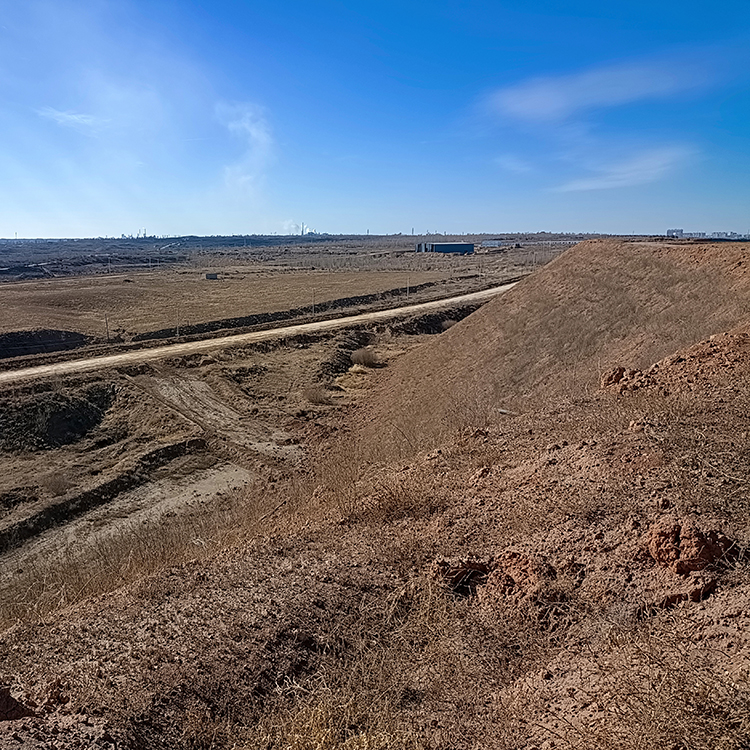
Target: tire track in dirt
x: 192, y: 347
x: 219, y: 424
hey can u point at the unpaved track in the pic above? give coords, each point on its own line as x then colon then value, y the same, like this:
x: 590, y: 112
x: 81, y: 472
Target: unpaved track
x: 192, y: 347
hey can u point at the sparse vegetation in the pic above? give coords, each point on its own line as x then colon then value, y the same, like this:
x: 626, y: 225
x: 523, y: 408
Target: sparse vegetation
x: 55, y: 484
x: 317, y: 395
x: 365, y: 357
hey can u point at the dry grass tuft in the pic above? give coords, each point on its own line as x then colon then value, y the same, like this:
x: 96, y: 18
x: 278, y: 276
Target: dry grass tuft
x: 317, y: 395
x: 331, y: 720
x: 56, y: 484
x: 394, y: 497
x: 365, y: 357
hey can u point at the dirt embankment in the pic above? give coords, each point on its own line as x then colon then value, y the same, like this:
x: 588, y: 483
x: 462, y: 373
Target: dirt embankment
x: 601, y: 304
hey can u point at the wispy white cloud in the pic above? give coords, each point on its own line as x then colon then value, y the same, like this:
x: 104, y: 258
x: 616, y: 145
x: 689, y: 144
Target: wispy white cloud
x: 642, y: 168
x: 249, y: 123
x: 513, y: 163
x: 555, y: 98
x: 77, y: 120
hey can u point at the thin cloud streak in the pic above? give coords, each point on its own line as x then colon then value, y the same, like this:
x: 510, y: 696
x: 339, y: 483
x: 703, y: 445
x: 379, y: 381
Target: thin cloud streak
x: 514, y: 164
x: 555, y: 98
x: 248, y: 123
x: 76, y: 120
x: 641, y: 169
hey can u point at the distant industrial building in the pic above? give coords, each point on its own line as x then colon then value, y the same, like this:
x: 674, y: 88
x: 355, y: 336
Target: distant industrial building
x: 680, y: 234
x: 461, y: 248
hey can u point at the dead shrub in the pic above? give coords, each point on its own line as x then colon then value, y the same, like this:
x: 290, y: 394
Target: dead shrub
x: 365, y: 357
x: 317, y: 395
x: 56, y: 484
x: 397, y: 497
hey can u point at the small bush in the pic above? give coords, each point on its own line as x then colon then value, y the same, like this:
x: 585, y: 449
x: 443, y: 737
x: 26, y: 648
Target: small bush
x: 365, y: 357
x: 316, y: 394
x: 55, y: 484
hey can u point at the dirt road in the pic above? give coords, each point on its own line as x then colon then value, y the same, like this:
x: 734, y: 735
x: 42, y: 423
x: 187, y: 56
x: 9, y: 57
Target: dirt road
x: 192, y: 347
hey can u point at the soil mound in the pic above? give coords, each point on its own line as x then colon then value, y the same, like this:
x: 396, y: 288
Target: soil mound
x: 683, y: 548
x: 603, y: 304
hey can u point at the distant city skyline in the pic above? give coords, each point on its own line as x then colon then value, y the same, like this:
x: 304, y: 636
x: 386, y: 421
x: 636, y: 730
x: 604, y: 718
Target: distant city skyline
x: 708, y: 235
x: 240, y: 118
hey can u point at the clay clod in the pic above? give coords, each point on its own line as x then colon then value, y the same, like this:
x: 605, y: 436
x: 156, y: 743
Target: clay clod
x: 684, y: 548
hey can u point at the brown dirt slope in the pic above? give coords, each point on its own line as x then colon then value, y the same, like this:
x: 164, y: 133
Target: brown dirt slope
x: 602, y: 303
x: 576, y: 578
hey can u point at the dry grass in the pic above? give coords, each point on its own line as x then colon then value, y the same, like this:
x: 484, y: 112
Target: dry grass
x: 317, y: 395
x: 365, y: 358
x: 365, y: 492
x: 329, y: 720
x: 415, y: 676
x: 49, y: 583
x: 56, y: 484
x: 151, y: 302
x: 652, y: 687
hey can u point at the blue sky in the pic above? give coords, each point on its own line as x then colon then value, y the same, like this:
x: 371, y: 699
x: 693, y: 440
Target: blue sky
x: 234, y: 117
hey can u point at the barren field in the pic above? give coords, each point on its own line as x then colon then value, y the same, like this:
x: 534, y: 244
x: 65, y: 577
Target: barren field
x: 151, y: 301
x: 523, y: 527
x: 54, y: 315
